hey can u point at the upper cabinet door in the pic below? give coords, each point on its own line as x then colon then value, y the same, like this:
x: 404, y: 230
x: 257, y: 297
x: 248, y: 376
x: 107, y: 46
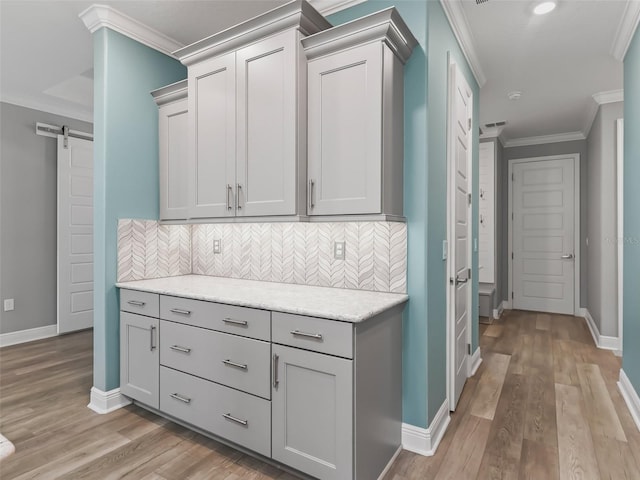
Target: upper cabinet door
x: 212, y: 137
x: 267, y: 73
x: 345, y: 131
x: 174, y: 180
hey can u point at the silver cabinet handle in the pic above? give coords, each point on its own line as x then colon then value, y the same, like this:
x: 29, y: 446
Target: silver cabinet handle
x: 311, y: 185
x: 178, y: 348
x: 152, y: 330
x: 234, y: 364
x: 569, y: 256
x: 298, y: 333
x: 461, y: 280
x: 229, y: 194
x: 228, y: 416
x: 136, y: 303
x: 180, y: 311
x: 238, y: 190
x: 242, y: 323
x: 177, y: 396
x: 274, y: 370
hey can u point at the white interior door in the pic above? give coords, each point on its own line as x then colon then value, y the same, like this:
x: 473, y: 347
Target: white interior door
x: 543, y: 206
x: 75, y: 234
x: 459, y: 265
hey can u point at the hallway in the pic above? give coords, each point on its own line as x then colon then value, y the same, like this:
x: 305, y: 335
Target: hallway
x: 544, y: 404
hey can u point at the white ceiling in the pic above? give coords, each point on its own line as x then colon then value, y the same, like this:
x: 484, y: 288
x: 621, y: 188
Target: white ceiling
x: 558, y: 61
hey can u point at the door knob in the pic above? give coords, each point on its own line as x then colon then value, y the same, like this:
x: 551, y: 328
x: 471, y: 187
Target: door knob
x: 568, y: 256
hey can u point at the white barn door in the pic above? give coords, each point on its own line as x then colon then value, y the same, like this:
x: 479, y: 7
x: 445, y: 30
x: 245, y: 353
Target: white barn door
x: 75, y: 234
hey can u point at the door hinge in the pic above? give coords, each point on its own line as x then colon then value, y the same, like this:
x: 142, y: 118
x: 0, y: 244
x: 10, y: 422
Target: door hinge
x: 468, y: 349
x: 469, y: 273
x: 469, y: 196
x: 469, y: 124
x: 511, y: 255
x: 511, y: 295
x: 65, y: 132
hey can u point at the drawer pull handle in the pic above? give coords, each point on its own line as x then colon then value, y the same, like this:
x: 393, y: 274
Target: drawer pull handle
x: 298, y: 333
x: 274, y: 370
x: 177, y: 396
x: 178, y: 348
x: 228, y: 416
x: 179, y: 311
x: 234, y: 364
x: 136, y: 303
x: 152, y: 330
x: 242, y: 323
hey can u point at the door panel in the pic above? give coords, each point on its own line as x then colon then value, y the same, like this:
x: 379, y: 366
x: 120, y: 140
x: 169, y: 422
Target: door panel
x: 173, y: 133
x: 75, y: 234
x: 543, y: 232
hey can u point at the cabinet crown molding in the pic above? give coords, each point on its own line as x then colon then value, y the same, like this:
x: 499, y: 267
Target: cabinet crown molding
x: 386, y: 26
x: 170, y: 93
x: 298, y: 13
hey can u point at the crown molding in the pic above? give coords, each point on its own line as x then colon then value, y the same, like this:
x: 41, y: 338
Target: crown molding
x: 626, y: 30
x: 460, y: 26
x: 99, y: 16
x: 170, y: 93
x: 600, y: 98
x: 84, y: 114
x: 328, y: 7
x: 543, y: 139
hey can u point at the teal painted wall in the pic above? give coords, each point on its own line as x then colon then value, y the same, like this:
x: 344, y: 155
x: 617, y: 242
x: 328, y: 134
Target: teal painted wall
x: 424, y: 327
x: 125, y: 170
x: 631, y: 307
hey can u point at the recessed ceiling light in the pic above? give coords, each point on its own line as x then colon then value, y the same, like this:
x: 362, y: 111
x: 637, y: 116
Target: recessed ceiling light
x: 544, y: 7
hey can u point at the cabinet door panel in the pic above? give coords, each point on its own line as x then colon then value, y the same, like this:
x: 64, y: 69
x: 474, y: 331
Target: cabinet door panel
x: 139, y: 358
x: 312, y: 420
x: 345, y: 144
x: 266, y: 148
x: 173, y: 161
x: 212, y: 137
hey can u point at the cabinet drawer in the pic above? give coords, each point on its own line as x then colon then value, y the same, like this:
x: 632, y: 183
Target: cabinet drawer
x: 316, y: 334
x: 247, y: 322
x: 236, y: 416
x: 238, y: 362
x: 142, y: 303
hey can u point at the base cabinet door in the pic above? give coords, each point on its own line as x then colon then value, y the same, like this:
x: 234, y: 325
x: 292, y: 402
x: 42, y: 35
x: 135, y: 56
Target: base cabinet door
x: 139, y: 358
x: 312, y: 417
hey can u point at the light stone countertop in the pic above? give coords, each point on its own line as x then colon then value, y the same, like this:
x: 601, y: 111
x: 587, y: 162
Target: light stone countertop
x: 325, y: 302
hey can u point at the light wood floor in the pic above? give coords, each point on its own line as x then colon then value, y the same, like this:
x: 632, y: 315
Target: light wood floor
x: 543, y: 405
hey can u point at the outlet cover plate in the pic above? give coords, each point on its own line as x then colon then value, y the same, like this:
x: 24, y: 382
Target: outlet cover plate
x: 217, y: 247
x: 8, y: 305
x: 338, y: 250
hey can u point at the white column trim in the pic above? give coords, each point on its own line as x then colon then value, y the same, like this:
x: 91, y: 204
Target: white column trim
x: 23, y: 336
x: 106, y: 402
x: 630, y: 397
x: 626, y: 29
x: 425, y: 441
x: 99, y: 16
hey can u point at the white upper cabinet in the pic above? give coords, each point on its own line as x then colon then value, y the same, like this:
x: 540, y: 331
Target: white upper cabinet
x: 172, y: 133
x: 355, y: 117
x: 247, y: 116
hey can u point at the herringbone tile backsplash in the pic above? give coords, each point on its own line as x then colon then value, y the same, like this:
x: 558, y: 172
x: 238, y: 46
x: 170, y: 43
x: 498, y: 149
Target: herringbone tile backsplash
x: 302, y: 253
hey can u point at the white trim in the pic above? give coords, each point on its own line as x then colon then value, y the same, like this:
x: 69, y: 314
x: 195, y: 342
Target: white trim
x: 576, y: 223
x: 600, y: 98
x: 390, y: 463
x: 630, y: 397
x: 106, y: 402
x: 425, y: 441
x: 543, y: 139
x: 23, y: 336
x: 79, y: 113
x: 328, y: 7
x: 620, y: 225
x: 626, y: 29
x: 497, y: 312
x: 475, y: 362
x: 99, y: 16
x: 602, y: 341
x: 460, y: 26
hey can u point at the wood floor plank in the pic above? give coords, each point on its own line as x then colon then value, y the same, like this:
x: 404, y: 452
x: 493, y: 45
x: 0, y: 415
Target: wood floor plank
x: 543, y: 321
x: 615, y: 459
x: 494, y: 330
x: 489, y: 386
x: 540, y: 412
x: 539, y: 462
x: 521, y: 359
x: 577, y: 459
x: 564, y: 365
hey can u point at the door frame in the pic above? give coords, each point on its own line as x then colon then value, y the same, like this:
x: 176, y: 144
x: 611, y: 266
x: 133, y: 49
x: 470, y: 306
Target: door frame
x: 620, y: 225
x: 576, y: 223
x: 449, y: 246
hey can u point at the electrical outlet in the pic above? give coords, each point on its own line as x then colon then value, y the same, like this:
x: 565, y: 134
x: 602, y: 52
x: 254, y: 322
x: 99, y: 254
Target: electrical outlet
x: 8, y: 304
x: 338, y: 250
x: 217, y: 247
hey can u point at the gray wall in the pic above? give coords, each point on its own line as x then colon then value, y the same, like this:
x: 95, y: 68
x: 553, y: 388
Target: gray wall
x: 602, y: 301
x: 562, y: 148
x: 28, y: 217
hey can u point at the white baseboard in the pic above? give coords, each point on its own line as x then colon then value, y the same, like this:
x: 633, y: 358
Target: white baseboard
x: 475, y: 362
x: 602, y: 341
x: 106, y: 402
x: 390, y: 463
x: 425, y: 441
x: 630, y: 397
x: 22, y: 336
x: 497, y: 312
